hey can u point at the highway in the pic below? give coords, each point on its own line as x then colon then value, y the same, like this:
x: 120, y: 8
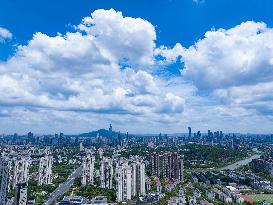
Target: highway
x: 64, y: 187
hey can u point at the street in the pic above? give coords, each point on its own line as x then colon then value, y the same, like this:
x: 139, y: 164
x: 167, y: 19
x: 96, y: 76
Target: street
x: 64, y: 187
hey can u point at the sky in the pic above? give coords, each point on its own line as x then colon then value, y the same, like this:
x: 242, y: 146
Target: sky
x: 143, y: 66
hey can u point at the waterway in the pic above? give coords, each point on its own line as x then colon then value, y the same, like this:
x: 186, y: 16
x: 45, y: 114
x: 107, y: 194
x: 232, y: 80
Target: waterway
x: 243, y: 162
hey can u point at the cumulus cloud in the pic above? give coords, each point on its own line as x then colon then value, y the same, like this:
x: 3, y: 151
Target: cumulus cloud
x: 242, y: 55
x: 233, y: 67
x: 4, y: 34
x: 101, y: 68
x: 104, y: 72
x: 125, y: 40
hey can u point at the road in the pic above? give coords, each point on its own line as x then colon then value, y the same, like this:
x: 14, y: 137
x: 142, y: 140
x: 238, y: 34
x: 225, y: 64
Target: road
x: 64, y: 187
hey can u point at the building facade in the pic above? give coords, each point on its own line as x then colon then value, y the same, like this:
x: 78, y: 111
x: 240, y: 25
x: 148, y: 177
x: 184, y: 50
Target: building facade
x: 106, y: 173
x: 123, y: 182
x: 20, y: 175
x: 88, y: 170
x: 4, y: 178
x: 167, y: 165
x: 45, y: 170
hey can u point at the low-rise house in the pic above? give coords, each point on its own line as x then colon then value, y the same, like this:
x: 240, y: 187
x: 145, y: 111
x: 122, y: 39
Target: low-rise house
x: 247, y: 199
x: 205, y: 202
x: 177, y: 201
x: 210, y: 195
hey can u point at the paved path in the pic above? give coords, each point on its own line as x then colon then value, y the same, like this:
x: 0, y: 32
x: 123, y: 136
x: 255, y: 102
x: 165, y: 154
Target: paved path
x: 64, y: 187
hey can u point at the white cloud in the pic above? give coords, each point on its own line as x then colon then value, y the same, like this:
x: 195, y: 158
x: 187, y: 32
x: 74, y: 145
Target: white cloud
x: 4, y: 34
x: 103, y: 72
x: 233, y: 68
x: 86, y: 72
x: 238, y: 56
x: 122, y: 39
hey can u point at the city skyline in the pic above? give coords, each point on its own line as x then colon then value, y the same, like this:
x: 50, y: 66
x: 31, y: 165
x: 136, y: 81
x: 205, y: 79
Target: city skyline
x: 144, y: 67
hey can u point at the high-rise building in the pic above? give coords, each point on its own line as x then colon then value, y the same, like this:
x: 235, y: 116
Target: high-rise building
x: 20, y: 171
x: 4, y: 178
x: 189, y: 128
x: 88, y: 170
x: 45, y: 170
x: 123, y: 181
x: 21, y: 194
x: 166, y: 165
x: 110, y: 131
x: 138, y: 178
x: 106, y: 173
x: 81, y: 147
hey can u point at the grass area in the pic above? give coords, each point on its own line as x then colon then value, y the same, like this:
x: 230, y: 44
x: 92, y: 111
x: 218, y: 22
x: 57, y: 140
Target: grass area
x: 211, y: 156
x: 90, y: 191
x: 261, y: 197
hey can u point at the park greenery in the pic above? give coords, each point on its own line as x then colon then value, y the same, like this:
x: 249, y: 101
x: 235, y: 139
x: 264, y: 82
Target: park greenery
x: 91, y: 191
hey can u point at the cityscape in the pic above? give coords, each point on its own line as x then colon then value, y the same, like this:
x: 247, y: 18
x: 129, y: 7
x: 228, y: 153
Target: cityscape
x: 110, y: 167
x: 135, y: 102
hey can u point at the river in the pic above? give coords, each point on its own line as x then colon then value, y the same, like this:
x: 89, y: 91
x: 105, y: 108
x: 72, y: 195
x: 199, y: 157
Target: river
x: 243, y: 162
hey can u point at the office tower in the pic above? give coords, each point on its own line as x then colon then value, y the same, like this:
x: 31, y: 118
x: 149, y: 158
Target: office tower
x: 110, y: 131
x: 166, y: 165
x: 138, y: 178
x: 106, y: 173
x: 123, y: 182
x: 20, y: 171
x: 4, y: 177
x: 88, y: 170
x: 189, y: 128
x: 21, y: 194
x: 45, y: 170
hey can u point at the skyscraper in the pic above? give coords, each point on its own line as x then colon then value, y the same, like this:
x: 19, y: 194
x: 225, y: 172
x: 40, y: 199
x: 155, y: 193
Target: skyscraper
x: 189, y: 128
x: 45, y: 170
x: 88, y: 170
x: 167, y: 165
x: 110, y: 131
x: 20, y: 171
x: 106, y: 173
x: 138, y: 178
x: 123, y: 181
x: 4, y: 171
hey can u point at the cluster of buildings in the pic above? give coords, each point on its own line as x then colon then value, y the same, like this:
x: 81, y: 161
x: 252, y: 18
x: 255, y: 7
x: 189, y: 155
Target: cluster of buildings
x: 126, y: 176
x: 167, y: 165
x: 14, y: 176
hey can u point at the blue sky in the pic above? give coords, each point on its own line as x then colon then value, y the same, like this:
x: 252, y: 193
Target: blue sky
x: 226, y: 82
x: 176, y: 20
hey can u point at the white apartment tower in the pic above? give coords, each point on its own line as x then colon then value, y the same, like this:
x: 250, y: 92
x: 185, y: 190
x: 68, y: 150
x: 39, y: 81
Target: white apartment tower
x: 45, y: 170
x: 106, y: 173
x: 20, y: 171
x: 138, y: 178
x: 88, y: 170
x: 123, y: 182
